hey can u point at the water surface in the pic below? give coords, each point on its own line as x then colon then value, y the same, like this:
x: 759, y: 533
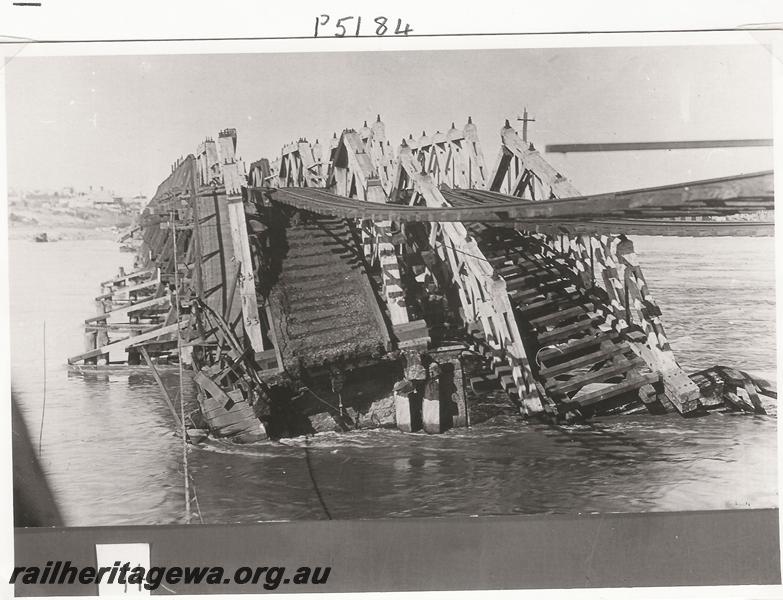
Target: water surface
x: 112, y: 459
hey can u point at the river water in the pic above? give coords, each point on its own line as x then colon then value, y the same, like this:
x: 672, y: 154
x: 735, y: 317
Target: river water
x: 108, y: 448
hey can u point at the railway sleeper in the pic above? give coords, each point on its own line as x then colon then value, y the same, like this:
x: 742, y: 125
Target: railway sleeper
x: 565, y: 332
x: 531, y: 281
x: 499, y: 260
x: 574, y: 346
x: 607, y: 350
x: 617, y: 369
x: 560, y: 315
x: 547, y: 268
x: 300, y: 331
x: 545, y: 303
x: 531, y: 294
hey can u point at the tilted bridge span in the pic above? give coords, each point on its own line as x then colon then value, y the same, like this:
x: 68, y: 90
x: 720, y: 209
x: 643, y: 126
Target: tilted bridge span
x: 301, y: 277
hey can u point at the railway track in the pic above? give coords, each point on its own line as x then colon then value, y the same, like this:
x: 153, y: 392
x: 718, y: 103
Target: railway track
x: 322, y: 299
x: 579, y: 362
x: 645, y: 209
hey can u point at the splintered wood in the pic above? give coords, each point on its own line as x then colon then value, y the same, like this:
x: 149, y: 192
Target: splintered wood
x: 232, y: 396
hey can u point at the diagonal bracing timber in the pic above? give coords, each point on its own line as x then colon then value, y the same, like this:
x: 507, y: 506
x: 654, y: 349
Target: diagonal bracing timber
x: 603, y: 269
x: 482, y: 293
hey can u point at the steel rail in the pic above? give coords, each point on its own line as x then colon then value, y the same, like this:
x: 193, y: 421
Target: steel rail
x: 723, y: 196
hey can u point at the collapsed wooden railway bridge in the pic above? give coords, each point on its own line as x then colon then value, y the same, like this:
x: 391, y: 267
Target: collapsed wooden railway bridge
x: 356, y: 286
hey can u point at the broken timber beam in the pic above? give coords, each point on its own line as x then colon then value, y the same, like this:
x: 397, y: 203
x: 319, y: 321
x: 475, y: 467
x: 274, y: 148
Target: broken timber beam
x: 124, y: 311
x: 124, y: 344
x: 246, y: 282
x: 129, y: 276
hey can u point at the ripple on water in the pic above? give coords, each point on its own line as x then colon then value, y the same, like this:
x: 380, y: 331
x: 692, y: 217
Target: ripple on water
x: 112, y: 459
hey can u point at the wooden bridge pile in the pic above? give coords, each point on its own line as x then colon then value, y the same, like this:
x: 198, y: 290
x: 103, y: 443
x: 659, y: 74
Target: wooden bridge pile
x: 291, y: 279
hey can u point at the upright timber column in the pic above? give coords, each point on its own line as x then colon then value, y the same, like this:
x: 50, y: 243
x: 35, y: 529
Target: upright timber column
x: 481, y: 291
x: 408, y: 392
x: 460, y: 419
x: 430, y: 404
x: 232, y: 180
x: 402, y: 407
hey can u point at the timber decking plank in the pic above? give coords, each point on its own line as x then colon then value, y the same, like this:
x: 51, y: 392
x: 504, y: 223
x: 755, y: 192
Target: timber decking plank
x: 134, y: 275
x: 124, y: 343
x: 129, y: 309
x: 210, y: 386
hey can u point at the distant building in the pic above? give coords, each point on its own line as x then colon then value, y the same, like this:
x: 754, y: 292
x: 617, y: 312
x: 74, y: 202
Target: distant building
x: 69, y: 198
x: 102, y: 199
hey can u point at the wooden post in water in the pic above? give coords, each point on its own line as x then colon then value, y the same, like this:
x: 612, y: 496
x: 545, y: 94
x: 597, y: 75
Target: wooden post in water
x: 89, y: 340
x: 402, y: 411
x: 430, y: 405
x: 458, y: 395
x: 176, y: 303
x: 407, y: 399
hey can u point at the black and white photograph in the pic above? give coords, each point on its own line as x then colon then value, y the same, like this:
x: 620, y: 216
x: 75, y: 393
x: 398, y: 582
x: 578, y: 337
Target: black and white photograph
x: 470, y: 283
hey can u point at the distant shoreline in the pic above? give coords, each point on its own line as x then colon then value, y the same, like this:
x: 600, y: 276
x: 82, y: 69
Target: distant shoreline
x: 27, y: 222
x: 56, y: 234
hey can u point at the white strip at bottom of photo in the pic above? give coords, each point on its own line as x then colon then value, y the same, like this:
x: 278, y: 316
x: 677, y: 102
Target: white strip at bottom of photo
x: 138, y: 555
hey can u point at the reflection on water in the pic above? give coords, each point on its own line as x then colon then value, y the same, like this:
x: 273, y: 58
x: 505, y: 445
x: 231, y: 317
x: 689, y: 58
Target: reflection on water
x: 112, y: 458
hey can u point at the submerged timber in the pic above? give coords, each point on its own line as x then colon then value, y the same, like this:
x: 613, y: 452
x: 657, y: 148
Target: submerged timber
x: 357, y: 287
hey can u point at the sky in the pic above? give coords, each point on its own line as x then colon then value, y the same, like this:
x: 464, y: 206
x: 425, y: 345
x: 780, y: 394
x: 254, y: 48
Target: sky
x: 120, y: 121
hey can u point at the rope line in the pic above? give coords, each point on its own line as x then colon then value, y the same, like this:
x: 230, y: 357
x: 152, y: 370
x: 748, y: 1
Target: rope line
x: 317, y: 397
x: 442, y: 245
x: 315, y: 483
x: 43, y: 406
x: 195, y: 498
x: 181, y: 395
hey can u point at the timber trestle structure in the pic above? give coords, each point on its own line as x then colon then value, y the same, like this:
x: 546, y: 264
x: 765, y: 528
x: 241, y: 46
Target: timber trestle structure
x: 326, y: 260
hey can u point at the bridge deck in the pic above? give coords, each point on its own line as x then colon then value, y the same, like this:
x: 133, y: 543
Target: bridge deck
x: 578, y: 360
x: 322, y: 301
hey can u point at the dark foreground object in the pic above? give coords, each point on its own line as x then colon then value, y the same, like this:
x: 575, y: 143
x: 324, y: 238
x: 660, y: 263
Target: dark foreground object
x: 34, y: 505
x: 557, y: 551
